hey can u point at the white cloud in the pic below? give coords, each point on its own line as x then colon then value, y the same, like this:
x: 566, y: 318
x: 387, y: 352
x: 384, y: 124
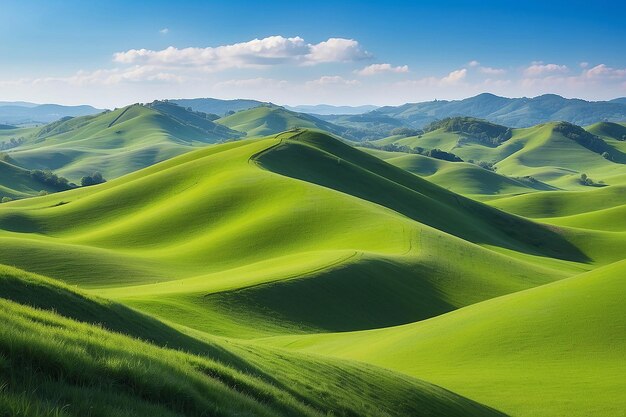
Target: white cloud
x: 454, y: 77
x: 600, y: 71
x: 332, y: 80
x: 164, y: 31
x: 256, y: 53
x: 538, y: 69
x: 336, y: 50
x: 492, y: 71
x: 382, y: 68
x: 584, y: 64
x: 473, y: 63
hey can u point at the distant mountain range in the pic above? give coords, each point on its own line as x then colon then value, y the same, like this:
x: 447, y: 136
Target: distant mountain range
x: 368, y: 122
x: 217, y: 106
x: 327, y: 109
x: 20, y: 112
x: 513, y: 112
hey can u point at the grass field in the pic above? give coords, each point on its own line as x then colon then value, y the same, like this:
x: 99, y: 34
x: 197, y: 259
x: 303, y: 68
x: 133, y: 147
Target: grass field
x: 552, y: 350
x: 295, y: 274
x: 542, y: 152
x: 57, y: 363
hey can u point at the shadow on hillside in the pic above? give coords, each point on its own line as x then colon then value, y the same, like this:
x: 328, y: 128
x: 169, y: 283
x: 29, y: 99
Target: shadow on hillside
x: 322, y: 160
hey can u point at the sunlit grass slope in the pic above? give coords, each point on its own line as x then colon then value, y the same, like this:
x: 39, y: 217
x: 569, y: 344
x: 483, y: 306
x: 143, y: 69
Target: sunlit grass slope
x: 543, y: 152
x: 55, y: 362
x: 460, y: 177
x: 115, y: 143
x: 553, y: 350
x: 296, y: 233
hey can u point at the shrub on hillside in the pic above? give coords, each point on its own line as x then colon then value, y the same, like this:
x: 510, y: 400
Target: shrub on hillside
x: 477, y: 130
x: 50, y: 179
x: 582, y: 137
x: 443, y: 155
x: 585, y: 180
x: 93, y: 179
x: 404, y: 131
x: 6, y: 199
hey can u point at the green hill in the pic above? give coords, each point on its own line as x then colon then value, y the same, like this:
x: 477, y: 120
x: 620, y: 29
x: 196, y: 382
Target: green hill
x: 61, y: 358
x: 553, y: 153
x: 269, y: 120
x: 200, y: 240
x: 552, y: 350
x: 463, y: 178
x: 185, y: 288
x: 117, y: 142
x: 16, y: 182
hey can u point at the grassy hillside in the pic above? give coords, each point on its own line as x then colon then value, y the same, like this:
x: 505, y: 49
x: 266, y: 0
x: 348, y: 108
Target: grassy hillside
x: 16, y: 182
x: 55, y: 362
x: 269, y: 120
x: 297, y: 275
x: 460, y: 177
x: 553, y: 153
x: 117, y: 142
x: 200, y: 240
x: 552, y: 350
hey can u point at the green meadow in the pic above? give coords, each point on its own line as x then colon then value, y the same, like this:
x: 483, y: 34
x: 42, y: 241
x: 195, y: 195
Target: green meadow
x: 261, y: 264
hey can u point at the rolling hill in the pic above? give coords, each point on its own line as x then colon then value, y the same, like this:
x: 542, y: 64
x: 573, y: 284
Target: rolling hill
x: 552, y: 350
x: 16, y: 182
x: 66, y: 353
x: 116, y: 142
x: 270, y: 119
x: 195, y: 268
x: 554, y: 153
x: 461, y: 177
x: 186, y: 287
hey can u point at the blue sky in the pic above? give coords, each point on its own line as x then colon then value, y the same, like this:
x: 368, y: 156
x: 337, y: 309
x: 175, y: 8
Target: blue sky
x: 292, y: 52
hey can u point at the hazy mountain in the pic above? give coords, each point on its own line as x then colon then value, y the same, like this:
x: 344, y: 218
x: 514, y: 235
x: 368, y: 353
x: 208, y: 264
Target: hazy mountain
x: 514, y: 112
x: 18, y: 103
x: 23, y: 113
x: 327, y: 109
x: 217, y: 106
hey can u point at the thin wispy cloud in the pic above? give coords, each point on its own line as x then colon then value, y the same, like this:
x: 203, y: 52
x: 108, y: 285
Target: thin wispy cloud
x: 375, y: 69
x: 539, y: 69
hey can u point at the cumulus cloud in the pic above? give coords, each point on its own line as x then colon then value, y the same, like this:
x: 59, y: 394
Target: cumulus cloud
x: 164, y: 31
x: 272, y: 50
x: 602, y: 70
x: 473, y: 64
x: 382, y: 68
x: 454, y: 77
x: 538, y: 69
